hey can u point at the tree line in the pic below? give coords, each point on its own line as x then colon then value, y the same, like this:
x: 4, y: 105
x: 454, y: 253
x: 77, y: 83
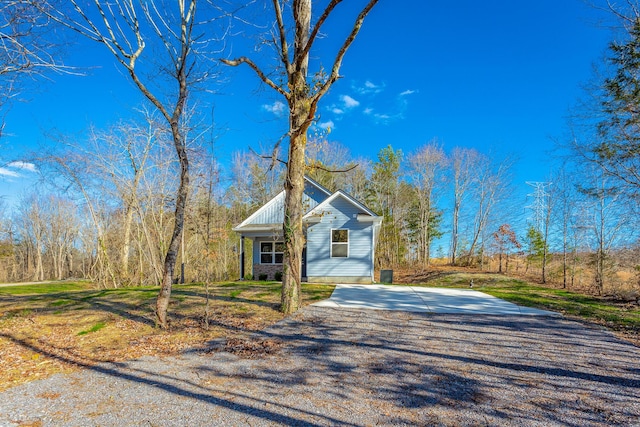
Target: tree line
x: 105, y: 212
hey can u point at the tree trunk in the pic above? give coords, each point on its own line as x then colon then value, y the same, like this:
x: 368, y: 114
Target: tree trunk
x: 454, y: 231
x: 292, y: 227
x: 39, y: 274
x: 126, y: 244
x: 162, y: 303
x: 294, y: 188
x: 600, y: 271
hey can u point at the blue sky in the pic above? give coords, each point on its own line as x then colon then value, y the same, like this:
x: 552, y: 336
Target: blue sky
x: 498, y: 76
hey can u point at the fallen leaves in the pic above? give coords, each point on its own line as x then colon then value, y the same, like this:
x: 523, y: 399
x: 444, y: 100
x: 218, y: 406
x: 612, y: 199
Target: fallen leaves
x: 252, y: 348
x: 39, y: 336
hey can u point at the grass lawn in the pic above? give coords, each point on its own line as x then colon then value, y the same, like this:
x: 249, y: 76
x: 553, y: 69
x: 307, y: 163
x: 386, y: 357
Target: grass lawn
x: 56, y: 327
x: 622, y: 317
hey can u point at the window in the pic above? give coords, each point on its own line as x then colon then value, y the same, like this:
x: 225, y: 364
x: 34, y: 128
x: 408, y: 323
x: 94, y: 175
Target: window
x: 271, y: 252
x: 339, y: 243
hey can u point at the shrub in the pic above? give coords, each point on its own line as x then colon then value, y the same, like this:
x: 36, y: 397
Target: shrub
x: 248, y: 276
x: 262, y: 277
x: 278, y: 276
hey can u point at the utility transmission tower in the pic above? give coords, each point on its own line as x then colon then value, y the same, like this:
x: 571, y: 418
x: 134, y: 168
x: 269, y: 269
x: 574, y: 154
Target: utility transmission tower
x: 540, y: 203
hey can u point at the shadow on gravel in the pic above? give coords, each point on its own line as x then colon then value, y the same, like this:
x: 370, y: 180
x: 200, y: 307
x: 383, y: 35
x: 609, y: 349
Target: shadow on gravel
x: 364, y: 367
x: 484, y: 367
x: 190, y: 390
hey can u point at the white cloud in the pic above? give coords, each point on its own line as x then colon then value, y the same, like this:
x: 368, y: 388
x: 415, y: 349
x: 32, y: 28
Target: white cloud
x: 349, y: 102
x: 276, y: 108
x: 336, y: 110
x: 368, y: 87
x: 328, y: 125
x: 7, y: 172
x: 368, y: 110
x: 22, y: 165
x: 407, y: 92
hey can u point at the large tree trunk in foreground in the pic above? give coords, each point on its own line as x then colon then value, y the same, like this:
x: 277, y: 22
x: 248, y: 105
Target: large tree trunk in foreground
x: 292, y: 228
x: 300, y: 116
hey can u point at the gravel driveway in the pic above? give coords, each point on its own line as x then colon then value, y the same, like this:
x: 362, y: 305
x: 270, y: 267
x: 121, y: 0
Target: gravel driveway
x: 330, y: 366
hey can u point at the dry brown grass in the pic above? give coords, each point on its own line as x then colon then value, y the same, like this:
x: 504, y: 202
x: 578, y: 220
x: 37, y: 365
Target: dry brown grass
x: 617, y: 310
x: 44, y: 334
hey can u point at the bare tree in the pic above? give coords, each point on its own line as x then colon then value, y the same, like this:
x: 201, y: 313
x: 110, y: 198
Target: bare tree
x: 71, y: 167
x: 564, y: 200
x: 489, y: 183
x: 144, y: 38
x: 26, y: 48
x: 425, y: 172
x: 33, y: 225
x: 6, y: 243
x: 329, y: 163
x: 607, y: 216
x: 61, y: 231
x: 255, y: 179
x: 302, y: 96
x: 464, y: 164
x: 122, y: 161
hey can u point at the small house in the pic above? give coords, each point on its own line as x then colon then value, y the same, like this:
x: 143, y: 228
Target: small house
x: 340, y: 234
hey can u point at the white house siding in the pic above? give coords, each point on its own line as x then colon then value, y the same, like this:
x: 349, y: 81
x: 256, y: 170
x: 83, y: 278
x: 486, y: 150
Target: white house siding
x: 273, y: 212
x: 340, y: 214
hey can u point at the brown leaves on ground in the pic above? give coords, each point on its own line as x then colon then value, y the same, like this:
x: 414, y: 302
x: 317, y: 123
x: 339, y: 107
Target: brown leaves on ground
x: 409, y: 276
x: 252, y: 349
x: 52, y: 333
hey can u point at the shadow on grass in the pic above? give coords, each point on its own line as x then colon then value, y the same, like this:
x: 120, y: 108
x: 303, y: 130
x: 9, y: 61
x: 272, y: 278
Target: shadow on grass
x: 137, y: 304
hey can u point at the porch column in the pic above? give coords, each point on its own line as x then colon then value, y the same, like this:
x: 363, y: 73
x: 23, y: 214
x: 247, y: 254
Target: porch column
x: 241, y: 257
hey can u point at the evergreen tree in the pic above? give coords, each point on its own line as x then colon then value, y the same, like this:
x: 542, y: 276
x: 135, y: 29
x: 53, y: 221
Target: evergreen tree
x: 618, y: 147
x: 382, y: 197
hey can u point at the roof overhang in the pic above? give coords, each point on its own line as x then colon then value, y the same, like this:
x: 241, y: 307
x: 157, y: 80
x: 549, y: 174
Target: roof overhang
x: 255, y: 228
x: 314, y: 219
x: 369, y: 218
x: 318, y: 211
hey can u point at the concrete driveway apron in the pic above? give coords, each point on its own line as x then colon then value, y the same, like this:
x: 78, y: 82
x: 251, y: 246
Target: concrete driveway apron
x: 424, y: 300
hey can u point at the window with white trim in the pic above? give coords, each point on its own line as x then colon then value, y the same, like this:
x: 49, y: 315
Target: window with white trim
x: 271, y: 252
x: 340, y: 243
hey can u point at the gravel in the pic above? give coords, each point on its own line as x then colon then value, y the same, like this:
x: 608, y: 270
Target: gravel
x: 327, y: 366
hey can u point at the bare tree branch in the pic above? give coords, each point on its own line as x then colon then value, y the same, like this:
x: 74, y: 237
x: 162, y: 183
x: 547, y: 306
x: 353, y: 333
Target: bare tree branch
x: 322, y: 168
x: 318, y: 25
x: 258, y: 71
x: 284, y: 48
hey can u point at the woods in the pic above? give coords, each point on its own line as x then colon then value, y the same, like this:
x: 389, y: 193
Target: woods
x: 113, y: 224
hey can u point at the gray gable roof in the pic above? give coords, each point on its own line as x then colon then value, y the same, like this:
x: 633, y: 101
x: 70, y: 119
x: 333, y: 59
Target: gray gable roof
x: 365, y: 213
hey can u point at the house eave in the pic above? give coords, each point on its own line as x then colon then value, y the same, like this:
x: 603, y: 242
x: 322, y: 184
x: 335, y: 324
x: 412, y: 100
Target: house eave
x: 252, y: 228
x: 369, y: 218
